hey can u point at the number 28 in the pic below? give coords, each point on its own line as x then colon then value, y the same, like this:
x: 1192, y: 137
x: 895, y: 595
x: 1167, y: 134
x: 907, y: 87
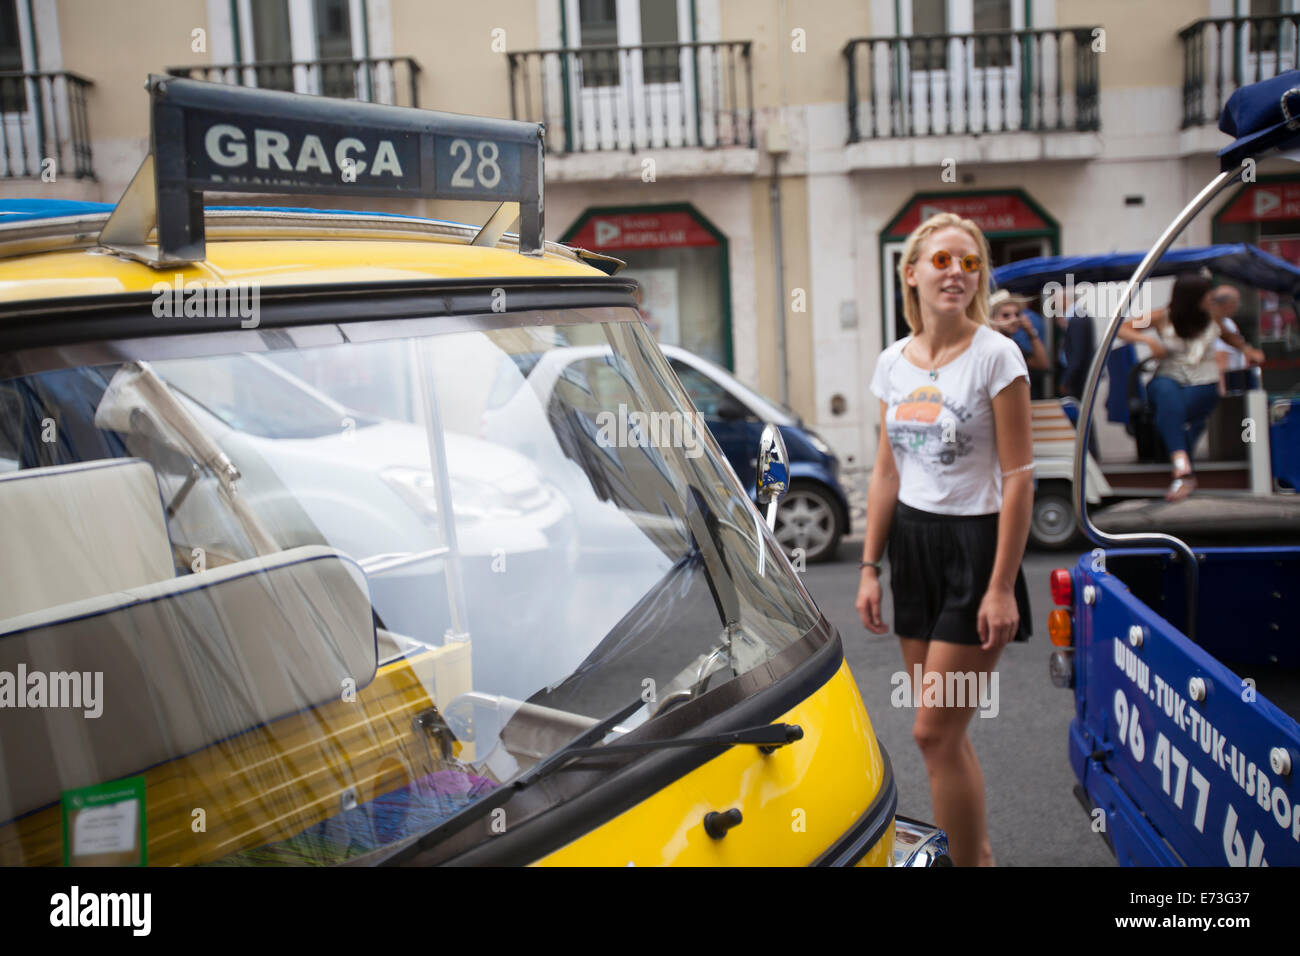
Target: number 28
x: 487, y: 172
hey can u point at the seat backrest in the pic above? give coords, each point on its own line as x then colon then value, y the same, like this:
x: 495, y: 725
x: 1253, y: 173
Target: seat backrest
x: 182, y: 664
x: 76, y: 531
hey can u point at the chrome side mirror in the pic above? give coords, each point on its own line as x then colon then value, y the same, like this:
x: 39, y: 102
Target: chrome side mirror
x: 773, y: 479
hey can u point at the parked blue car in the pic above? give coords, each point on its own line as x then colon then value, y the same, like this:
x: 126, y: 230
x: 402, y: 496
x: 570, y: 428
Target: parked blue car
x: 815, y: 514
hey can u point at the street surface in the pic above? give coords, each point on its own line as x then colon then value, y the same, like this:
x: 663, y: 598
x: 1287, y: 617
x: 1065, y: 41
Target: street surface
x: 1034, y: 818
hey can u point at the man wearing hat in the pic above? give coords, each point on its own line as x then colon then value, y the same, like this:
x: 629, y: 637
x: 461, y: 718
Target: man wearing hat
x: 1008, y: 315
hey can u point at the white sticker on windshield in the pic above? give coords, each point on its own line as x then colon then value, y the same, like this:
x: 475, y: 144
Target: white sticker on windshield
x: 106, y: 829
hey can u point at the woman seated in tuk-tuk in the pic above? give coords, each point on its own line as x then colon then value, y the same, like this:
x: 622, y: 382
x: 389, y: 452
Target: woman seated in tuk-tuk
x: 1185, y: 387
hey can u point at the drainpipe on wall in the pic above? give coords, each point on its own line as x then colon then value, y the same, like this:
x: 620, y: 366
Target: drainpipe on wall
x: 778, y: 263
x: 776, y: 145
x: 31, y: 27
x: 38, y: 101
x: 235, y: 31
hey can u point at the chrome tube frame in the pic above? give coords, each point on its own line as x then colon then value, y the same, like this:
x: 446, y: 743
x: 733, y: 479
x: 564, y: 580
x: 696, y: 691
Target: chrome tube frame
x: 1157, y: 539
x: 459, y: 630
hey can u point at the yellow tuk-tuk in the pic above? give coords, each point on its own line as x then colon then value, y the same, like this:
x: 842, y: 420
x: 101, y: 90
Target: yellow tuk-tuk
x: 270, y: 593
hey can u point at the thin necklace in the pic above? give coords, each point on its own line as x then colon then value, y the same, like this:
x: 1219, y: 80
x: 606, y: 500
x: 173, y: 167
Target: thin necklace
x: 934, y: 367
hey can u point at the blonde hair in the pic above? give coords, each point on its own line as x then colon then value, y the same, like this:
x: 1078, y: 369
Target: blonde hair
x: 978, y: 310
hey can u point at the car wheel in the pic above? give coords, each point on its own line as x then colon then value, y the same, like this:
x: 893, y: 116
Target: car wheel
x: 808, y: 519
x: 1052, y: 526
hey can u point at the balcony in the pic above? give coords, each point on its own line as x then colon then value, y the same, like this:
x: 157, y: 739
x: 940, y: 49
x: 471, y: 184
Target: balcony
x: 1224, y: 53
x: 43, y: 128
x: 630, y: 98
x: 963, y: 84
x: 390, y: 80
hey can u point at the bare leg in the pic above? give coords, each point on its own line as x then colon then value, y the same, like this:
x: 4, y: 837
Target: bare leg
x: 1184, y: 482
x: 914, y: 650
x: 956, y: 780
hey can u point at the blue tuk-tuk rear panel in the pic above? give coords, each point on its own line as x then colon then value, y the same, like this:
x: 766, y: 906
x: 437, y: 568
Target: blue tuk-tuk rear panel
x: 1190, y: 750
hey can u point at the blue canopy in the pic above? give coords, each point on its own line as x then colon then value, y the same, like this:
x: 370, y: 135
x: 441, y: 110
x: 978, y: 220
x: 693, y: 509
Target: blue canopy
x: 1240, y: 262
x: 23, y: 210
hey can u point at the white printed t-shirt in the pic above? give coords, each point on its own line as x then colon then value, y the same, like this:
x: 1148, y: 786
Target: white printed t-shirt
x: 941, y: 430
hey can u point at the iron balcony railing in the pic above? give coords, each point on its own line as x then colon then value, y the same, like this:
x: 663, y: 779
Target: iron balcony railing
x: 43, y: 128
x: 652, y: 96
x: 385, y: 79
x: 946, y: 84
x: 1223, y: 53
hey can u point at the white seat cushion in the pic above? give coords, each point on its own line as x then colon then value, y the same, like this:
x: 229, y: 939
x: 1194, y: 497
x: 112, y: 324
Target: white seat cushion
x: 75, y: 531
x: 185, y: 663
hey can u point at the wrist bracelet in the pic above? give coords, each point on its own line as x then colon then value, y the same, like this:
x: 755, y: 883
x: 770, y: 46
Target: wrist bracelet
x: 1013, y: 471
x: 869, y: 564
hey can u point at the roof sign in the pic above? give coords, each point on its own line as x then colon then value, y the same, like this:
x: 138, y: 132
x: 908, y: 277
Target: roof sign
x: 216, y: 137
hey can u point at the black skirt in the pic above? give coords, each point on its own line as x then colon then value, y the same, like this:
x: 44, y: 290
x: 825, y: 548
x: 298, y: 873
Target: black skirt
x: 939, y: 571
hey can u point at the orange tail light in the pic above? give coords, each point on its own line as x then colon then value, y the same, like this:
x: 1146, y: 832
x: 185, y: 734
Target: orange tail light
x: 1060, y: 628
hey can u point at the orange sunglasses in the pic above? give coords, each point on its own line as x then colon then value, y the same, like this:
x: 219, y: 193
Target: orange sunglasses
x: 943, y: 259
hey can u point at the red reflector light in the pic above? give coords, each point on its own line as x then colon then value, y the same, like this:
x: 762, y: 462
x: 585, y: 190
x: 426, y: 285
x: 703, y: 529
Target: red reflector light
x: 1062, y: 587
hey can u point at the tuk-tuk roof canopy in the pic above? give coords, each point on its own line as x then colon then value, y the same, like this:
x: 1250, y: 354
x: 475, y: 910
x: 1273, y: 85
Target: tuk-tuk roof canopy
x: 1261, y: 117
x: 1240, y: 262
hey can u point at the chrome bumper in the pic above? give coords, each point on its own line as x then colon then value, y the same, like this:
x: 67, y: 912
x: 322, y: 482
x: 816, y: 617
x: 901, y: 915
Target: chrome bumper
x: 919, y: 844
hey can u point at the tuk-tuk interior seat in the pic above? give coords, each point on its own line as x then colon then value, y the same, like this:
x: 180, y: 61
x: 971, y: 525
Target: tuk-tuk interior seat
x: 186, y: 663
x: 80, y: 530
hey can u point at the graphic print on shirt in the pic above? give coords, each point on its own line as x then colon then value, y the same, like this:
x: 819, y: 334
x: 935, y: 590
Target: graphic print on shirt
x: 918, y: 427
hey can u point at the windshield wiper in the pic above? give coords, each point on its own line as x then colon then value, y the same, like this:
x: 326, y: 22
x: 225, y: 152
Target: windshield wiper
x: 766, y: 737
x: 506, y: 792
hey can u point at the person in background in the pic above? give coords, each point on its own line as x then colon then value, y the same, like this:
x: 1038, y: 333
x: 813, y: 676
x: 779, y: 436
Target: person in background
x: 1078, y: 344
x: 1184, y: 389
x: 1008, y: 315
x: 1037, y: 378
x: 1225, y: 301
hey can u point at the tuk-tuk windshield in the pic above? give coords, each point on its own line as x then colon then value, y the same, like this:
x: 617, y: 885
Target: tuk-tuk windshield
x: 332, y: 596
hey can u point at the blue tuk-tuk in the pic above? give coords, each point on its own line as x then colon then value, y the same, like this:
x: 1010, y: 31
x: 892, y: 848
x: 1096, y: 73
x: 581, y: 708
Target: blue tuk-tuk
x: 1270, y: 464
x: 1184, y: 659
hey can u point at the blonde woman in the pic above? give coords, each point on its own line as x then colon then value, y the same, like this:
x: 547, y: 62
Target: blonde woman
x: 951, y: 496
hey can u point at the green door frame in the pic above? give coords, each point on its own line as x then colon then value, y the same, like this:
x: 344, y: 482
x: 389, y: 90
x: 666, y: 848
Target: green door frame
x: 1052, y: 232
x: 591, y: 211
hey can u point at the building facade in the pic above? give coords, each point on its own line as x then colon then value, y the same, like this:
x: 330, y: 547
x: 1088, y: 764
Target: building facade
x: 757, y: 164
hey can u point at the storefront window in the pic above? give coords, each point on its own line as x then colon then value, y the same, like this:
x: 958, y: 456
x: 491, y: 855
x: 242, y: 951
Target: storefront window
x: 679, y: 260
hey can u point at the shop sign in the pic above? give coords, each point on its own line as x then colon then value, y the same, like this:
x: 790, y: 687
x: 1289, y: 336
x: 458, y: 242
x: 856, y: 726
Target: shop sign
x: 641, y: 230
x: 993, y: 213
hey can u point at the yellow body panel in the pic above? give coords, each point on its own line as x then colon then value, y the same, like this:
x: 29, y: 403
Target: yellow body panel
x: 796, y: 802
x: 277, y: 262
x: 274, y: 781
